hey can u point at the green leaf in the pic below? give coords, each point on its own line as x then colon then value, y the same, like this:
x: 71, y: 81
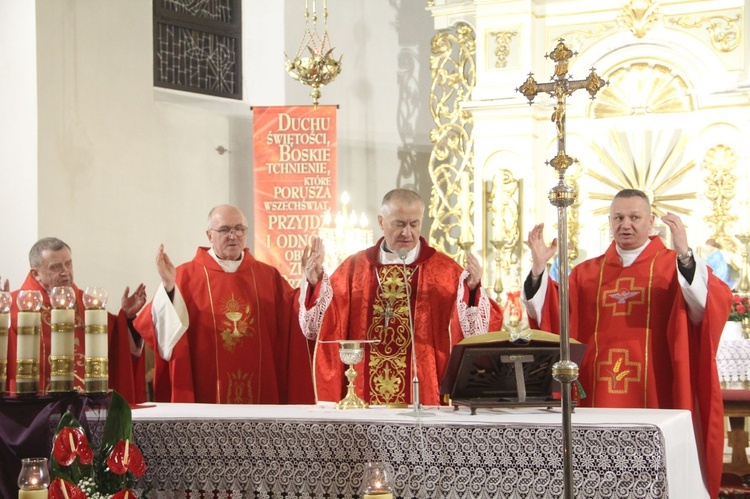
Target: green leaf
x: 119, y: 424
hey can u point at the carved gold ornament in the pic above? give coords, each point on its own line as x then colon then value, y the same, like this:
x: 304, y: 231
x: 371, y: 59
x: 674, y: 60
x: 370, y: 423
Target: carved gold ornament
x: 453, y: 68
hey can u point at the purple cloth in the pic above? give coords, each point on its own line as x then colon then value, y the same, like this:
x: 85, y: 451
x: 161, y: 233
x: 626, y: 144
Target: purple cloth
x: 27, y: 425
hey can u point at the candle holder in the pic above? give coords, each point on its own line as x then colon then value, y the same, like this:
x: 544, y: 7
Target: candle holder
x: 498, y: 285
x: 34, y: 478
x: 29, y: 325
x: 466, y: 245
x: 351, y: 353
x: 62, y: 350
x: 96, y: 340
x: 376, y: 481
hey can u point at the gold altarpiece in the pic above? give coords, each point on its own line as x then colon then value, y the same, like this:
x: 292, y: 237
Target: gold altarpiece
x: 672, y: 122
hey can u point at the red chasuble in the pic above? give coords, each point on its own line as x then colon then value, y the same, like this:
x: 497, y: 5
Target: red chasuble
x: 126, y: 372
x: 243, y: 345
x: 643, y: 351
x: 371, y: 302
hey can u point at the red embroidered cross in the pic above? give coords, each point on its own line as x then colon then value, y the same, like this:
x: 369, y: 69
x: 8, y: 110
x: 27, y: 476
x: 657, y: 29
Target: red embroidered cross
x: 623, y: 296
x: 616, y: 369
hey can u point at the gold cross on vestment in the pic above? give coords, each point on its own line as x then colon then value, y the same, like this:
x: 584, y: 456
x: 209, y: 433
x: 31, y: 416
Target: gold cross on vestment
x: 559, y: 88
x: 387, y: 314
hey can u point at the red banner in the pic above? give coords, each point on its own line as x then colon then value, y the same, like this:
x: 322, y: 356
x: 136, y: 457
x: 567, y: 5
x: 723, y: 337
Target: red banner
x: 295, y: 181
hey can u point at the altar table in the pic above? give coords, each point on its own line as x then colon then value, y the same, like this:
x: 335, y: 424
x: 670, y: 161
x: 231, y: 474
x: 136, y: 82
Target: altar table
x: 319, y: 451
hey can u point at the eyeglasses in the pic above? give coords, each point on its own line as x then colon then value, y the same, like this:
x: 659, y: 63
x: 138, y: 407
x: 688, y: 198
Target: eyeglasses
x: 237, y: 230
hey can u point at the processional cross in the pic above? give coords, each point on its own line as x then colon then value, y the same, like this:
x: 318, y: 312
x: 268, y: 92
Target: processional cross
x: 565, y: 371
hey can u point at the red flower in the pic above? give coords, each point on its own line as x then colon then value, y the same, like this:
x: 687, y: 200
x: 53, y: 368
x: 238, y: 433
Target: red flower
x: 737, y: 298
x: 62, y: 489
x: 124, y: 494
x: 740, y: 309
x: 69, y: 444
x: 126, y: 456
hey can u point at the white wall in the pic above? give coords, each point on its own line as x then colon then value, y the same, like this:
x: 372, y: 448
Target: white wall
x: 18, y: 138
x: 123, y: 167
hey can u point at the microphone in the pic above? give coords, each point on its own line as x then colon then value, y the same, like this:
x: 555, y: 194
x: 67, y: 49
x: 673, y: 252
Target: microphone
x: 402, y: 254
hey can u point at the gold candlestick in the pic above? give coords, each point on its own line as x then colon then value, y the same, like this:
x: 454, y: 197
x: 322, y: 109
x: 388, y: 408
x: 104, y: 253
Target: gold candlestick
x: 498, y: 285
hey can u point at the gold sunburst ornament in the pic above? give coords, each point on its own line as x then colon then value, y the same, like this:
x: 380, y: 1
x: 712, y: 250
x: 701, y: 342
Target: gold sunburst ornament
x: 651, y: 161
x: 314, y: 64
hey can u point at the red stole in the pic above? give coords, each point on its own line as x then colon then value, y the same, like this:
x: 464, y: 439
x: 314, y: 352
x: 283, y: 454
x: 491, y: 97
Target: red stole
x: 642, y: 349
x: 126, y: 373
x: 243, y: 344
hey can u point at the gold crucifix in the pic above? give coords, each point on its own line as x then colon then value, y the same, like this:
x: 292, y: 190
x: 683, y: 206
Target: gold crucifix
x: 562, y: 195
x: 559, y: 88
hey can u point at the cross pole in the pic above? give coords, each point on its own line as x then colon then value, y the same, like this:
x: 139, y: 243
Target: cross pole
x: 562, y: 195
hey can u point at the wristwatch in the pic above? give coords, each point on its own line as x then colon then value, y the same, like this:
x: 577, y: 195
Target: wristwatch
x: 686, y: 255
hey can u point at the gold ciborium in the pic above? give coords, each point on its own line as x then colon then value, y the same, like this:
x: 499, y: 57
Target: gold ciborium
x: 351, y: 353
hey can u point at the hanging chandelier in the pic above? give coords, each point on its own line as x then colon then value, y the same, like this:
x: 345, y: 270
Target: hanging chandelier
x: 314, y: 64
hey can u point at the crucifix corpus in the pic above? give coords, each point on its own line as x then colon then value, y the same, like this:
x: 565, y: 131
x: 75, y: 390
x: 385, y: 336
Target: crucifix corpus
x: 562, y: 195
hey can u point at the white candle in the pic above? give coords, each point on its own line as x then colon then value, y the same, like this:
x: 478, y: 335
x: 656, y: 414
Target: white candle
x: 28, y: 335
x: 464, y: 197
x: 96, y: 347
x: 62, y: 349
x: 27, y: 351
x: 4, y: 325
x: 497, y: 229
x: 96, y: 333
x: 386, y: 495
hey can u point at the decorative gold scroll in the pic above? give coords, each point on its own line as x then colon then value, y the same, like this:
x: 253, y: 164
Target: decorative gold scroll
x: 724, y: 32
x: 453, y: 67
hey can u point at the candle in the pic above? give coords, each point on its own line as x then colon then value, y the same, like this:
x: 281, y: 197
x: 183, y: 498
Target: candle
x: 387, y: 495
x: 464, y: 197
x: 27, y: 351
x: 33, y: 479
x: 6, y: 302
x: 33, y: 494
x: 62, y: 340
x: 497, y: 228
x: 4, y: 326
x: 96, y: 340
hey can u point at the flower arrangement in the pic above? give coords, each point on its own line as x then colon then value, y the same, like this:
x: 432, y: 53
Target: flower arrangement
x: 105, y: 472
x: 740, y: 308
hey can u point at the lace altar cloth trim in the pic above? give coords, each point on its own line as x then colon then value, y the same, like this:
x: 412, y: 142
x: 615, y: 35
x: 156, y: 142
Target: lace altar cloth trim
x: 301, y: 459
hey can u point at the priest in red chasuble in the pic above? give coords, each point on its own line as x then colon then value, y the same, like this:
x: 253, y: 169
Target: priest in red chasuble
x: 377, y: 294
x: 651, y: 317
x: 51, y: 263
x: 224, y: 325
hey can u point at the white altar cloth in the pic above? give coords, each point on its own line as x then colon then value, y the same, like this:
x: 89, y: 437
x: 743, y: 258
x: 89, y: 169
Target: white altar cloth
x: 683, y: 474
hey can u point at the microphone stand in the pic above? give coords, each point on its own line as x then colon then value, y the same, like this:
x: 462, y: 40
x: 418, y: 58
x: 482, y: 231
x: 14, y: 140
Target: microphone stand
x: 417, y: 410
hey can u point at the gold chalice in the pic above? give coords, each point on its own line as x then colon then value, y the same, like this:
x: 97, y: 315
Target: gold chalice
x: 351, y: 353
